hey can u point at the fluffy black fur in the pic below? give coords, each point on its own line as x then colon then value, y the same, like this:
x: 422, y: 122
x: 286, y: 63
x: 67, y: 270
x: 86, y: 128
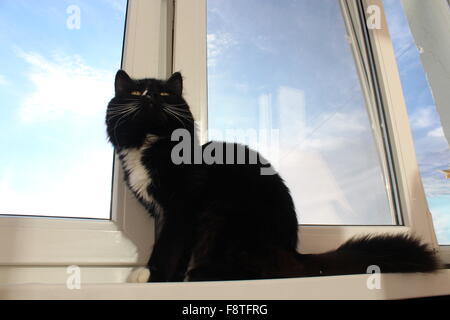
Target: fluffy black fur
x: 227, y: 222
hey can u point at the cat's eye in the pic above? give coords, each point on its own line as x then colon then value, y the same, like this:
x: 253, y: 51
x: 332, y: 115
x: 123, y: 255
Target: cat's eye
x: 136, y: 93
x: 164, y: 94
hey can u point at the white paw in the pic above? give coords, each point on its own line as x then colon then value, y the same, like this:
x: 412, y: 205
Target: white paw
x: 139, y: 275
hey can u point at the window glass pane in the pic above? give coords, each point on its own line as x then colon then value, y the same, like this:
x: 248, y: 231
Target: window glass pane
x: 283, y: 72
x: 432, y: 148
x: 59, y: 60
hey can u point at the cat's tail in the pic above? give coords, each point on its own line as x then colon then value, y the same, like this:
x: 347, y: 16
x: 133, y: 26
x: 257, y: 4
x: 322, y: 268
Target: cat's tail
x: 366, y: 254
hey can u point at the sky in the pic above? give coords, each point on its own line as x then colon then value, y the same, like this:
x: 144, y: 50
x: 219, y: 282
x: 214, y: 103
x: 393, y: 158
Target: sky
x: 54, y: 90
x: 289, y: 80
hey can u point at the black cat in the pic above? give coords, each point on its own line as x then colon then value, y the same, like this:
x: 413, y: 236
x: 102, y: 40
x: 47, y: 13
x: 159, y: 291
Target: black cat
x: 224, y: 220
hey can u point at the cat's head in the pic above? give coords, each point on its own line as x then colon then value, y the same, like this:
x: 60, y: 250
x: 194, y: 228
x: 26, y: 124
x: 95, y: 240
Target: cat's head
x: 146, y: 107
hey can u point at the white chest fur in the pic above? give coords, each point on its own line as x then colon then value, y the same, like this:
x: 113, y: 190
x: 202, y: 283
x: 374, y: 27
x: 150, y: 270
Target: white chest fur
x: 138, y: 176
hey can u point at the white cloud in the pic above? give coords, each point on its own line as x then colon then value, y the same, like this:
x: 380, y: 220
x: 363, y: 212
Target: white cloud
x: 82, y: 190
x: 63, y: 86
x: 335, y: 189
x: 218, y: 43
x: 75, y: 181
x: 336, y: 131
x: 328, y: 131
x: 329, y: 161
x: 437, y: 133
x: 423, y: 118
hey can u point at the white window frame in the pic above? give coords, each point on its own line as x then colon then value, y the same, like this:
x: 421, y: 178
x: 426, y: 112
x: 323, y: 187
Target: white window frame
x: 34, y: 249
x: 190, y: 56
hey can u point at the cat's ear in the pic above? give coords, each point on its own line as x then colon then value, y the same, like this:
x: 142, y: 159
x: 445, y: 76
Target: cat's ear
x: 123, y: 82
x: 175, y: 82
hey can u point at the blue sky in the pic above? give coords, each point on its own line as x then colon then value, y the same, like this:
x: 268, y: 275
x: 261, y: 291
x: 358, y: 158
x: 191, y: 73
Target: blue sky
x: 53, y: 91
x: 293, y: 74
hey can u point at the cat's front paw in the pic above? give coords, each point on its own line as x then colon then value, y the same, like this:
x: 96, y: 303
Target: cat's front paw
x: 139, y: 275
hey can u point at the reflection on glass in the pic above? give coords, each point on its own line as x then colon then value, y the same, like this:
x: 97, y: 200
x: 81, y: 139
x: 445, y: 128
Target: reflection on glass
x: 57, y: 77
x: 432, y: 148
x: 283, y: 80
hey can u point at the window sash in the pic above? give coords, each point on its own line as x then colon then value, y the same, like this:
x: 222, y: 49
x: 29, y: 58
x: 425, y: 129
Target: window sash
x: 190, y: 56
x: 416, y: 214
x: 355, y: 18
x: 127, y: 239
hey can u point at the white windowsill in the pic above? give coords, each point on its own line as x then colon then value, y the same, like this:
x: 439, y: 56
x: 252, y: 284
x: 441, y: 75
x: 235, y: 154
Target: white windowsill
x: 393, y: 286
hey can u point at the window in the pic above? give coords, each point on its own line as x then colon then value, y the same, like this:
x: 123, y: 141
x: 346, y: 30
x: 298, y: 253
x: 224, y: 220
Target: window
x: 291, y: 80
x: 105, y: 249
x: 432, y: 149
x: 263, y: 74
x: 62, y: 58
x: 187, y: 36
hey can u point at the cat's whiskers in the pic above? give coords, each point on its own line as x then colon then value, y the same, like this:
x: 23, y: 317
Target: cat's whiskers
x: 119, y: 113
x: 121, y: 107
x: 123, y: 113
x: 184, y: 116
x: 170, y: 112
x: 175, y: 105
x: 180, y: 112
x: 128, y: 109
